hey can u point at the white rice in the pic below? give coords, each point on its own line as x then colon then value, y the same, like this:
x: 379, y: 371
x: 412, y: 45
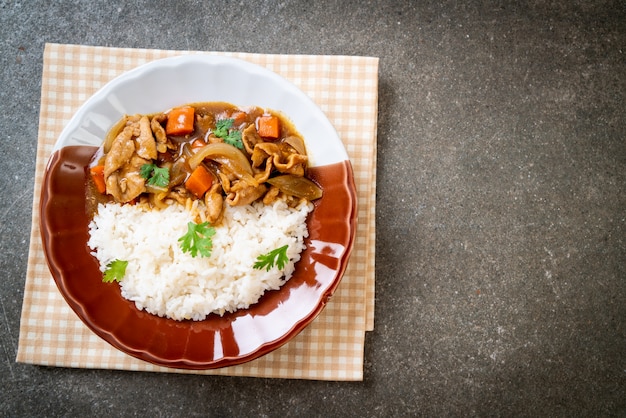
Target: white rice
x: 164, y: 281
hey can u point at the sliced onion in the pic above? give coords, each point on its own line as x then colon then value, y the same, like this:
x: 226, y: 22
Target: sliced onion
x: 112, y: 134
x: 296, y: 143
x: 179, y: 172
x: 217, y: 151
x: 152, y: 189
x: 158, y: 200
x: 186, y: 150
x: 228, y: 156
x: 296, y: 186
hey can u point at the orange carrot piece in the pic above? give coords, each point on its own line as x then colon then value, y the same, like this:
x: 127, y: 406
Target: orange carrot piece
x: 268, y: 126
x: 97, y: 175
x: 197, y: 144
x: 238, y: 118
x: 180, y: 121
x: 199, y: 181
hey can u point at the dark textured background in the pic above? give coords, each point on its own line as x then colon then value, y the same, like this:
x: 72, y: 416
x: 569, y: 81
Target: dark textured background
x: 501, y: 206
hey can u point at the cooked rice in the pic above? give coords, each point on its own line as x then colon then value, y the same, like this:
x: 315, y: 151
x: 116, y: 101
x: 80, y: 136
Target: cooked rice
x: 164, y: 281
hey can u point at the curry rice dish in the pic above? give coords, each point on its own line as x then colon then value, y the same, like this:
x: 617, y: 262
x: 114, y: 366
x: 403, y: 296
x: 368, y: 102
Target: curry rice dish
x: 201, y: 209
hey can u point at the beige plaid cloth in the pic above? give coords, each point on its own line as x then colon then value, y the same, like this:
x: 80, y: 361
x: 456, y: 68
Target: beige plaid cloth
x: 330, y: 348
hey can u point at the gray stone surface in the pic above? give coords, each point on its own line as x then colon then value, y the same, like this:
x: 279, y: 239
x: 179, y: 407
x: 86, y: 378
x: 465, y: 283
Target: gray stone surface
x: 501, y: 218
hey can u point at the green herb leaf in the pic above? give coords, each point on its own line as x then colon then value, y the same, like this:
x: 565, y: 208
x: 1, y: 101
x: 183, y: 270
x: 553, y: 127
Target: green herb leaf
x: 115, y: 271
x: 222, y: 130
x: 155, y: 175
x: 160, y: 177
x: 234, y: 138
x: 198, y: 239
x: 146, y: 170
x: 222, y: 126
x: 276, y: 257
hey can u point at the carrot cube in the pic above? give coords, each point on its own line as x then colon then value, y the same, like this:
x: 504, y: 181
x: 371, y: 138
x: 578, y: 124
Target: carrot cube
x: 268, y: 126
x: 180, y: 121
x: 97, y: 175
x: 199, y: 181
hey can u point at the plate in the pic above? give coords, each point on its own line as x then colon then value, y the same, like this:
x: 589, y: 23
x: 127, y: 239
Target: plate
x: 217, y: 341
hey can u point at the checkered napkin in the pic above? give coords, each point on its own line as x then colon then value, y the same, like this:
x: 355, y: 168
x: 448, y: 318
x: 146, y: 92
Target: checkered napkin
x: 331, y: 347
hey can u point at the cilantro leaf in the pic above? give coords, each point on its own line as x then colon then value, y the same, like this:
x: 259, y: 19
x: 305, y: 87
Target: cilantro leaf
x: 156, y: 176
x: 160, y: 177
x: 222, y: 126
x: 276, y: 257
x: 198, y: 239
x: 115, y: 271
x: 234, y: 138
x: 146, y: 171
x: 231, y: 137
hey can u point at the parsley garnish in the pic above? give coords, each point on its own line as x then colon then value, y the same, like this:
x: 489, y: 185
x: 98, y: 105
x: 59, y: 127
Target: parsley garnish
x: 115, y: 271
x: 231, y: 137
x: 155, y: 175
x: 277, y: 257
x: 234, y: 138
x: 222, y: 126
x: 197, y: 239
